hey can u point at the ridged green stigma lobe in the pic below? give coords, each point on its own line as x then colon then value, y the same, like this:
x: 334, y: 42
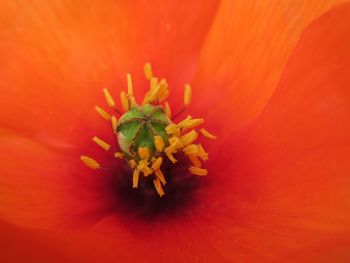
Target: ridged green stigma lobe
x: 138, y: 127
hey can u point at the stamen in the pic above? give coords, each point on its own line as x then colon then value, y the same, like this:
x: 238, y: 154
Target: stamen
x: 195, y: 161
x: 207, y: 134
x: 175, y: 144
x: 201, y: 153
x: 160, y: 176
x: 198, y: 171
x: 167, y: 110
x: 157, y: 163
x: 143, y: 166
x: 178, y: 113
x: 158, y: 186
x: 189, y: 138
x: 144, y: 153
x: 191, y: 149
x: 159, y: 143
x: 132, y: 102
x: 129, y: 82
x: 170, y: 156
x: 181, y: 123
x: 102, y: 113
x: 109, y: 99
x: 153, y: 95
x: 101, y: 143
x: 90, y: 162
x: 187, y: 95
x: 154, y: 83
x: 172, y: 129
x: 124, y: 101
x: 133, y: 163
x: 147, y: 133
x: 147, y: 68
x: 135, y: 178
x: 191, y: 124
x: 119, y: 155
x: 164, y: 90
x: 114, y: 124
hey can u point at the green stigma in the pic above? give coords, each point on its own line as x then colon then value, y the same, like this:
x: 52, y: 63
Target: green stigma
x: 138, y: 128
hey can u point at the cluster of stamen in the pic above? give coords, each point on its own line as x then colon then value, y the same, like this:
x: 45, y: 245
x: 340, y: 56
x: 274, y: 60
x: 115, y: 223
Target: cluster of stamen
x: 147, y: 135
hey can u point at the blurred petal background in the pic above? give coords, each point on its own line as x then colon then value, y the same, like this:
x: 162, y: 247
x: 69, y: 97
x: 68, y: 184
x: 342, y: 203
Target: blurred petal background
x: 271, y: 78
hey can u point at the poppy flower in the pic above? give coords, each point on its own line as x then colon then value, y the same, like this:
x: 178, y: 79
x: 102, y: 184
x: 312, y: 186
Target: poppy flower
x: 271, y: 80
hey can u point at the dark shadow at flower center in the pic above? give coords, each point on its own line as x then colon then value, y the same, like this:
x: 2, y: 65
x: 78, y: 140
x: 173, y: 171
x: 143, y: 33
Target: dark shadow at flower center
x: 144, y: 203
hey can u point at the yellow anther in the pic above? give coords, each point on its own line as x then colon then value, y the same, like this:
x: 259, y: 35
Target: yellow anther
x: 172, y: 129
x: 175, y: 144
x: 109, y: 99
x: 143, y: 166
x: 187, y: 95
x: 191, y: 149
x: 135, y: 178
x: 191, y: 124
x: 159, y: 143
x: 157, y: 163
x: 147, y: 171
x: 158, y: 186
x: 146, y: 98
x: 189, y: 138
x: 160, y: 175
x: 102, y: 113
x: 90, y: 162
x: 101, y: 143
x: 153, y: 95
x: 164, y: 90
x: 147, y: 68
x: 198, y: 171
x: 129, y: 83
x: 195, y: 161
x: 173, y: 140
x: 114, y: 124
x: 180, y: 138
x: 144, y: 153
x: 119, y: 155
x: 171, y: 157
x: 132, y: 102
x: 124, y: 101
x: 167, y: 110
x: 201, y: 153
x: 207, y: 134
x: 133, y: 163
x: 154, y: 83
x: 181, y: 123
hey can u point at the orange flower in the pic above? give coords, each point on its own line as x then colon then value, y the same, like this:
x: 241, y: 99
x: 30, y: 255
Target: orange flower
x: 271, y: 82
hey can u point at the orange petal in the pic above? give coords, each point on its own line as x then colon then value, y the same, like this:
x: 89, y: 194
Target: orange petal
x: 247, y: 49
x: 42, y: 188
x: 33, y: 245
x: 283, y: 188
x: 280, y: 189
x: 56, y: 57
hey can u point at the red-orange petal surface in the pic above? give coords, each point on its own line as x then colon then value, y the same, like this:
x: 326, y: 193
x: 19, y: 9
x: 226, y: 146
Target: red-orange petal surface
x: 40, y: 187
x: 247, y: 49
x: 58, y: 55
x: 280, y: 187
x: 277, y: 189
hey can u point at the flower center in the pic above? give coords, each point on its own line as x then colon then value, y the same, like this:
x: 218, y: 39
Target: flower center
x: 137, y: 129
x: 147, y: 135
